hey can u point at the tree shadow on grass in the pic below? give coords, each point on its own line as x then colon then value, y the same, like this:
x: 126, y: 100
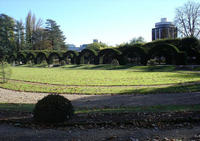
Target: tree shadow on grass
x: 178, y: 88
x: 17, y: 107
x: 186, y: 75
x: 98, y: 67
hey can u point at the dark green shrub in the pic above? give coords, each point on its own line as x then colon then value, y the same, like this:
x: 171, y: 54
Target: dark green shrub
x: 53, y: 108
x: 181, y: 58
x: 106, y: 56
x: 88, y: 56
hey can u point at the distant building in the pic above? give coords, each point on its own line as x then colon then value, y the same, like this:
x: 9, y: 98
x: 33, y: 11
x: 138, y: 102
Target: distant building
x: 164, y: 29
x: 83, y: 46
x: 73, y: 47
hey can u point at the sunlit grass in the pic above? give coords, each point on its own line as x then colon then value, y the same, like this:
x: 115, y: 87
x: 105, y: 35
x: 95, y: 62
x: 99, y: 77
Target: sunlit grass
x: 90, y: 75
x: 103, y: 79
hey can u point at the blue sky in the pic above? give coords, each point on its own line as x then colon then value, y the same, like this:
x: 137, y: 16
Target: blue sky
x: 110, y: 21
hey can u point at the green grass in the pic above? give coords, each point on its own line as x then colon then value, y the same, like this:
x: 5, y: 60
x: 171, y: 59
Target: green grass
x: 157, y: 108
x: 103, y: 79
x: 23, y: 86
x: 90, y: 75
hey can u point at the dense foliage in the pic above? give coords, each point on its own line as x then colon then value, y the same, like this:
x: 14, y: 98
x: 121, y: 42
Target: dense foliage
x: 16, y: 36
x: 53, y: 108
x: 167, y: 51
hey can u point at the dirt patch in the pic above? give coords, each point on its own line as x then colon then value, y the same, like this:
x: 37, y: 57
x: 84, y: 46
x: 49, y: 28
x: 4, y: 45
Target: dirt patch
x: 104, y: 126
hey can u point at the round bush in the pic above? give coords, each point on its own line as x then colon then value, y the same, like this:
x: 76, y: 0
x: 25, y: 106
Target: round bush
x: 53, y: 108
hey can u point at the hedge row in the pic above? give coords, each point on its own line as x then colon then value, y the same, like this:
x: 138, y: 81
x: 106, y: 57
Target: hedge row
x: 174, y: 51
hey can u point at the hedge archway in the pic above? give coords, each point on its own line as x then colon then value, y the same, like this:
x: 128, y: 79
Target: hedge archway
x: 70, y: 57
x: 41, y: 57
x: 166, y: 52
x: 21, y: 58
x: 106, y: 56
x: 135, y: 55
x: 54, y: 58
x: 88, y: 56
x: 30, y: 57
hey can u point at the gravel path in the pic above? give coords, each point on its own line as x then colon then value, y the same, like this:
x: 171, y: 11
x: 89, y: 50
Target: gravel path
x: 91, y: 101
x: 26, y: 134
x: 23, y: 134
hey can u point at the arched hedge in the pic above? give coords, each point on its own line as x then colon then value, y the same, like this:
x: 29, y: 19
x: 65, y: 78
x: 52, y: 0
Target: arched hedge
x: 21, y: 58
x: 54, y: 58
x: 107, y: 55
x: 88, y: 56
x: 31, y: 57
x: 168, y: 51
x: 71, y: 57
x: 41, y: 56
x: 135, y: 55
x: 174, y: 51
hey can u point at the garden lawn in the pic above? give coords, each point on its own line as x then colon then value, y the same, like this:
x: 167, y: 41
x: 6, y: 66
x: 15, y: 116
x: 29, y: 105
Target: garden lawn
x: 118, y: 77
x: 103, y: 79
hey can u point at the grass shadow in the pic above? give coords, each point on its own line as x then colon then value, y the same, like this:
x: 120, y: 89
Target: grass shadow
x: 178, y: 88
x: 17, y: 107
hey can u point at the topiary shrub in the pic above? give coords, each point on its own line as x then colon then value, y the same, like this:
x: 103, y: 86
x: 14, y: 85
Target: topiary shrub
x: 53, y: 108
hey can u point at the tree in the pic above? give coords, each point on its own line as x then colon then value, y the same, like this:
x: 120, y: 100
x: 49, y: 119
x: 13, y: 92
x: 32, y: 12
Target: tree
x: 19, y: 35
x: 137, y: 40
x: 55, y: 35
x: 7, y: 38
x: 96, y: 46
x: 29, y: 30
x: 187, y: 19
x: 32, y: 26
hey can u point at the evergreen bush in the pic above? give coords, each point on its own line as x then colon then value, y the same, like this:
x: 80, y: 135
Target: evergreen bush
x: 53, y: 108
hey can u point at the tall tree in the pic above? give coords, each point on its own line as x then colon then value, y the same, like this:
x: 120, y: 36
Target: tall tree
x: 19, y: 35
x: 29, y: 30
x: 41, y: 42
x: 187, y: 19
x: 55, y: 35
x: 7, y: 38
x: 32, y: 26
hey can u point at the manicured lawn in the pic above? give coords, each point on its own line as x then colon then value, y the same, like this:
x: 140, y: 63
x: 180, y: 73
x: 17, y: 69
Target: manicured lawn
x: 103, y: 79
x: 73, y: 75
x: 28, y: 87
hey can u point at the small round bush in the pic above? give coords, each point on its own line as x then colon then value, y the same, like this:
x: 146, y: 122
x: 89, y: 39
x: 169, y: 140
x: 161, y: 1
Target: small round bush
x: 53, y: 108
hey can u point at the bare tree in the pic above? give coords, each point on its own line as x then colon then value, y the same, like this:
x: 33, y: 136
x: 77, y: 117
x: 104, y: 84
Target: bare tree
x: 187, y: 19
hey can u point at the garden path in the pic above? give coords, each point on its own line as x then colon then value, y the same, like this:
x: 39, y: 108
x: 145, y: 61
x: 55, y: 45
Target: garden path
x: 98, y: 101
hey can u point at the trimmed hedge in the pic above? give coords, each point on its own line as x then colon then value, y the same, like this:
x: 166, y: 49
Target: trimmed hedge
x: 52, y: 109
x: 168, y: 51
x: 21, y: 57
x: 107, y: 55
x: 134, y: 51
x: 175, y: 42
x: 52, y: 56
x: 88, y: 56
x: 72, y: 55
x: 188, y: 49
